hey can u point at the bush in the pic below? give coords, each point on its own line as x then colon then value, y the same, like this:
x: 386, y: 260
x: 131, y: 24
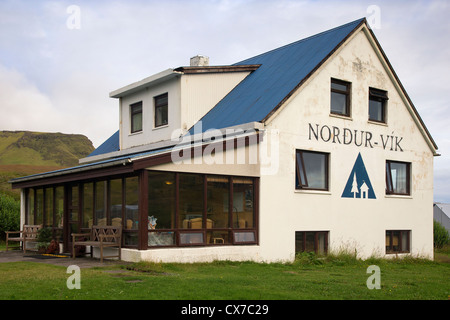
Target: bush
x: 441, y: 236
x: 9, y: 214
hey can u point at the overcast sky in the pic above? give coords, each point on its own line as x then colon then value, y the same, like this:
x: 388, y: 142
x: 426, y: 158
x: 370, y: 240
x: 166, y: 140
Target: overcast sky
x: 59, y: 60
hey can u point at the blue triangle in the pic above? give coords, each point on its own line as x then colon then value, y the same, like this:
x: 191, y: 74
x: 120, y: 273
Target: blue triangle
x: 358, y: 178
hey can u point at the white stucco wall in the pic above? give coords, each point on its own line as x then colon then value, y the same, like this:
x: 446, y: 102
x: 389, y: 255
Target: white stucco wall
x: 353, y: 224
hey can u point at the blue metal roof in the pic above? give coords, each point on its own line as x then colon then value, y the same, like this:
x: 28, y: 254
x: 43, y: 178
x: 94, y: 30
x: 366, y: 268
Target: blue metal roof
x: 260, y: 93
x: 281, y: 71
x: 110, y: 145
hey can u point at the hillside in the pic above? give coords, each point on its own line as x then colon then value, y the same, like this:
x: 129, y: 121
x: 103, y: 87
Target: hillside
x: 24, y: 153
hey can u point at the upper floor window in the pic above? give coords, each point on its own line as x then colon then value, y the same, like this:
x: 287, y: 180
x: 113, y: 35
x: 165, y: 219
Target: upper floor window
x: 161, y: 110
x: 136, y: 117
x: 311, y: 170
x: 340, y: 97
x: 377, y: 105
x: 398, y: 177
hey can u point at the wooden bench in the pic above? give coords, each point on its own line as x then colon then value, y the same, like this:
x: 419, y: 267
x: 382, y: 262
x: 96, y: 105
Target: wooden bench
x: 29, y: 232
x: 100, y: 236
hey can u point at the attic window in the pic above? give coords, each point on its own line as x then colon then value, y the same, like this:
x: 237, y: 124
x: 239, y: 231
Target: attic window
x: 161, y: 110
x: 377, y: 105
x: 340, y: 97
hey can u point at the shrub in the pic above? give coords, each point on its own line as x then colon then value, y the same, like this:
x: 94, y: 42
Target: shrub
x: 441, y: 236
x: 9, y: 214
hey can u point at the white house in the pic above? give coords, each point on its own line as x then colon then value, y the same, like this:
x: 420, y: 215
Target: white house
x: 313, y: 146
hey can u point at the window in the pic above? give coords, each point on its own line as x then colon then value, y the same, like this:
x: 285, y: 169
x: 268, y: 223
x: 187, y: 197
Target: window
x: 311, y: 241
x: 311, y: 170
x: 340, y: 97
x: 197, y: 209
x: 398, y: 241
x: 161, y: 208
x: 161, y: 110
x: 398, y: 177
x: 88, y: 205
x: 136, y: 117
x: 377, y: 105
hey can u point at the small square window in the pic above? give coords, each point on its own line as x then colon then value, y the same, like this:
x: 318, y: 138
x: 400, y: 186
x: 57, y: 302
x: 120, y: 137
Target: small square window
x: 136, y: 117
x: 398, y: 241
x: 377, y: 105
x: 311, y: 170
x: 311, y: 241
x: 340, y: 97
x: 161, y: 110
x: 398, y: 177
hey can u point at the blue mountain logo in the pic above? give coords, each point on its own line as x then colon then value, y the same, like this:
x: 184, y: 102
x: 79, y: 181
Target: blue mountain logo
x: 358, y: 184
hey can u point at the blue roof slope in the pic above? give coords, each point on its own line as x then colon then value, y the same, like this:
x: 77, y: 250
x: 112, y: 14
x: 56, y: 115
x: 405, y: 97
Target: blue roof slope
x: 280, y: 73
x: 110, y: 145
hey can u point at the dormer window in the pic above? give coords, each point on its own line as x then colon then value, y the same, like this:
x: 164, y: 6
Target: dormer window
x: 161, y: 110
x: 136, y: 117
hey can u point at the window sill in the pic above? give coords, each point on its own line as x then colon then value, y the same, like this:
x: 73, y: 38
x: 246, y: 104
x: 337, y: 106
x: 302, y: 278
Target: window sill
x: 323, y: 192
x: 161, y: 127
x: 398, y: 196
x: 341, y: 116
x: 377, y: 123
x: 135, y: 133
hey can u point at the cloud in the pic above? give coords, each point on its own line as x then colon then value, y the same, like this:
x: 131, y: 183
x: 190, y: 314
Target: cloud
x: 23, y: 106
x: 53, y: 78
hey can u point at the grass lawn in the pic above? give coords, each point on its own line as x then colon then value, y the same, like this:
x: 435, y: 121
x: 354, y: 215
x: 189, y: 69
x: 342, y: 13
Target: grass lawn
x: 307, y: 278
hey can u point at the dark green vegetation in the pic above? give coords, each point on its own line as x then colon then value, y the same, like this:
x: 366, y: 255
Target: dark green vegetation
x: 309, y: 277
x: 23, y: 153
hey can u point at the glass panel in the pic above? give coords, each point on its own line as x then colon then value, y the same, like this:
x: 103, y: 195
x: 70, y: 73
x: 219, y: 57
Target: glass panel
x: 299, y: 244
x: 161, y: 200
x: 88, y: 205
x: 191, y: 238
x: 100, y: 203
x: 396, y: 241
x: 116, y: 202
x: 321, y: 243
x: 136, y: 117
x: 388, y: 241
x: 217, y: 237
x: 376, y: 110
x: 218, y: 202
x: 161, y: 239
x: 130, y: 238
x: 132, y: 202
x: 300, y: 171
x: 59, y: 203
x: 405, y: 241
x: 338, y: 86
x: 161, y: 110
x: 244, y: 236
x: 48, y: 207
x: 137, y: 122
x: 315, y: 167
x: 338, y: 103
x: 191, y: 201
x: 30, y: 206
x: 243, y: 203
x: 161, y: 115
x: 399, y: 177
x: 310, y: 239
x: 39, y: 206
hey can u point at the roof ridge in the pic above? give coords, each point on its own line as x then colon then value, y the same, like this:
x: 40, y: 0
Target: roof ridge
x: 356, y: 22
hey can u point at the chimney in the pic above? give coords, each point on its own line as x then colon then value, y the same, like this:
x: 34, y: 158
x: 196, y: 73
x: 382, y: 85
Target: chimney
x: 199, y: 61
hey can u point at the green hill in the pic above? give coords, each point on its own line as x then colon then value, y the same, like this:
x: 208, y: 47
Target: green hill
x: 23, y: 153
